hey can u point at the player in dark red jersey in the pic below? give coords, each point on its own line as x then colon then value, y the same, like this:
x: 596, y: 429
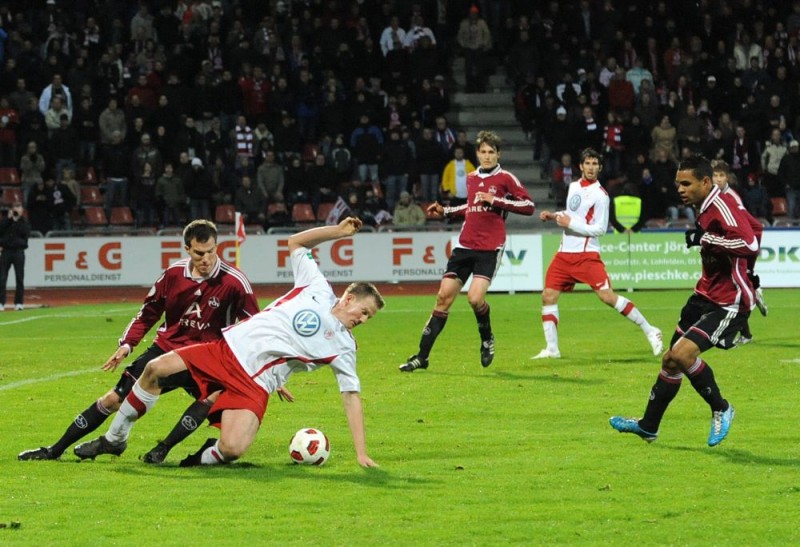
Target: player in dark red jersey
x: 715, y: 313
x: 197, y: 296
x: 492, y: 193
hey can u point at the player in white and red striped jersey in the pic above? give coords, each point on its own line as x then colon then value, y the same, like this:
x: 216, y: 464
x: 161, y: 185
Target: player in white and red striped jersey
x: 305, y: 329
x: 578, y: 258
x: 714, y: 314
x: 722, y: 175
x: 197, y: 297
x: 492, y: 193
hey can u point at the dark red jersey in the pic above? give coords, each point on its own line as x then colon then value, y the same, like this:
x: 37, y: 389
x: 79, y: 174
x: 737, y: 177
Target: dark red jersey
x: 484, y: 227
x: 726, y: 246
x: 194, y: 311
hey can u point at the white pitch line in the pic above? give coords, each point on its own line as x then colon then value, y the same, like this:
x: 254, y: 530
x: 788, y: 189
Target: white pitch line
x: 63, y: 316
x: 29, y: 381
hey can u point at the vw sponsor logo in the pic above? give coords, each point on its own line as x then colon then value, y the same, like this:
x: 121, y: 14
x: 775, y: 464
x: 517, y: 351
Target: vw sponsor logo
x: 306, y: 323
x: 574, y: 202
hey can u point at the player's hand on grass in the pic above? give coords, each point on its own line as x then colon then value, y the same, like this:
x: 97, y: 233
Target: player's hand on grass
x: 119, y: 356
x: 366, y: 461
x: 284, y: 394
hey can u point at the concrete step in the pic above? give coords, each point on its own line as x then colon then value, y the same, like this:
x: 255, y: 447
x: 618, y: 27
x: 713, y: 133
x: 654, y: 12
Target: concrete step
x: 496, y: 84
x: 493, y: 119
x: 466, y: 101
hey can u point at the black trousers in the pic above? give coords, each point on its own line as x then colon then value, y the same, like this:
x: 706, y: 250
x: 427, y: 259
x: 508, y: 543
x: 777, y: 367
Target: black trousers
x: 16, y: 258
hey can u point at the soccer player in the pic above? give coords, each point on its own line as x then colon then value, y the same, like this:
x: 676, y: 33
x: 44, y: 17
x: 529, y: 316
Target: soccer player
x: 197, y: 297
x: 578, y: 258
x: 715, y: 313
x: 722, y: 177
x: 303, y: 330
x: 492, y: 193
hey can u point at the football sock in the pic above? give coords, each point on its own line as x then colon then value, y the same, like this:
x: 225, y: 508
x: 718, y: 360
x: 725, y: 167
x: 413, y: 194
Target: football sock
x: 550, y: 326
x: 83, y: 424
x: 484, y: 321
x: 212, y: 455
x: 663, y: 391
x: 137, y: 403
x: 702, y: 378
x: 189, y: 422
x: 746, y: 330
x: 630, y: 311
x: 433, y: 327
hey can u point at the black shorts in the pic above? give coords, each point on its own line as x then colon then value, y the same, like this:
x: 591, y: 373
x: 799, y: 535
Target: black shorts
x: 466, y: 262
x: 134, y: 370
x: 708, y: 325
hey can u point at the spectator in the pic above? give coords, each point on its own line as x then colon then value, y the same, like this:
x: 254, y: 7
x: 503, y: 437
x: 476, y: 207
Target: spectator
x: 475, y: 41
x: 563, y: 175
x: 430, y: 160
x: 322, y: 175
x: 297, y: 188
x: 614, y: 145
x: 170, y: 196
x: 111, y: 119
x: 691, y: 130
x: 454, y: 178
x: 669, y: 202
x: 771, y: 157
x: 341, y: 159
x: 52, y: 117
x: 250, y: 202
x: 199, y: 190
x: 743, y: 155
x: 86, y: 123
x: 68, y: 179
x: 392, y: 36
x: 269, y: 178
x: 62, y: 202
x: 366, y: 142
x: 14, y: 233
x: 757, y: 199
x: 115, y: 173
x: 40, y: 201
x: 143, y: 196
x: 664, y: 137
x: 32, y: 166
x: 9, y: 122
x: 55, y: 89
x: 444, y: 135
x: 407, y: 212
x: 396, y: 162
x: 64, y: 146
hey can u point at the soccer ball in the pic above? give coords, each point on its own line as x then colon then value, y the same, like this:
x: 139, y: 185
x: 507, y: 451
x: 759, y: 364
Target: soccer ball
x: 309, y: 446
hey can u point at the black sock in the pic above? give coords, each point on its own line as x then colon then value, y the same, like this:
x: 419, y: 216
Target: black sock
x: 746, y: 330
x: 661, y: 396
x: 189, y: 422
x: 433, y: 327
x: 484, y: 321
x: 83, y: 424
x: 704, y: 383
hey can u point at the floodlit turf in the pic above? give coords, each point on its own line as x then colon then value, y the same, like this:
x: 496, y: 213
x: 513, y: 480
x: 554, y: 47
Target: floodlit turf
x: 520, y: 452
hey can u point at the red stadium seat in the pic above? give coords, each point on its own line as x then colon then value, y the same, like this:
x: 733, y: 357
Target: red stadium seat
x: 779, y: 207
x: 121, y: 216
x: 11, y: 196
x: 94, y: 216
x: 323, y: 211
x: 9, y: 176
x: 89, y: 176
x: 302, y: 213
x: 225, y: 214
x: 90, y: 195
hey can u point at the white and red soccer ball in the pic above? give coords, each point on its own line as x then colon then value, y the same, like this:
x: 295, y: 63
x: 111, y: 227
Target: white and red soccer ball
x: 309, y: 446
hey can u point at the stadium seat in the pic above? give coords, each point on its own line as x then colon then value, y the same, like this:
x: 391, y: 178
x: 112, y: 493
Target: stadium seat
x: 9, y: 176
x: 310, y: 152
x: 94, y: 216
x: 90, y: 195
x: 323, y: 211
x: 121, y: 216
x: 225, y: 214
x: 779, y: 207
x: 11, y: 195
x: 89, y: 176
x: 302, y: 213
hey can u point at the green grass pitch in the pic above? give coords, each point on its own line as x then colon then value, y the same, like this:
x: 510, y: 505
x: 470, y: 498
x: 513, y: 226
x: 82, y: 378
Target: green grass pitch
x: 519, y: 453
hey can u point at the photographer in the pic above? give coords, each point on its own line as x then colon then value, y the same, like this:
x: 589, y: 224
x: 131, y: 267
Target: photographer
x: 14, y: 233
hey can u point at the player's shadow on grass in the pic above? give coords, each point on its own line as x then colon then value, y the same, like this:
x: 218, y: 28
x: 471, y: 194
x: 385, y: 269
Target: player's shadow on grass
x: 375, y: 477
x: 739, y: 456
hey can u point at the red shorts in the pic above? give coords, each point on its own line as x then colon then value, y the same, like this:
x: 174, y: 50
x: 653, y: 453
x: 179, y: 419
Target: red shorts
x: 567, y: 269
x: 214, y: 367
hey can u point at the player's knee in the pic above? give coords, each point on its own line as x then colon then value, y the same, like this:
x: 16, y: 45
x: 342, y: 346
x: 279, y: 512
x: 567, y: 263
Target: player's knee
x: 231, y: 450
x: 673, y: 361
x: 111, y: 401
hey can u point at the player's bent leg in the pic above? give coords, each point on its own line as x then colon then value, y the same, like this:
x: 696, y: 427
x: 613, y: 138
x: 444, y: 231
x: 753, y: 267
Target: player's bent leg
x: 158, y: 369
x: 237, y: 432
x: 477, y: 300
x: 188, y: 423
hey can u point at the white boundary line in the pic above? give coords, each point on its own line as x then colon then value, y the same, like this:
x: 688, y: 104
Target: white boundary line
x: 21, y: 383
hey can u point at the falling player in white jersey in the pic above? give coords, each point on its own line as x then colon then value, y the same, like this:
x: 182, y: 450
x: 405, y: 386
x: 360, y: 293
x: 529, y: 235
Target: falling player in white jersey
x: 578, y: 257
x: 305, y: 329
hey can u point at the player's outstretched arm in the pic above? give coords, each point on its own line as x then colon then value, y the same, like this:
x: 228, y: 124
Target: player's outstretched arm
x: 113, y: 362
x: 314, y: 236
x: 355, y: 419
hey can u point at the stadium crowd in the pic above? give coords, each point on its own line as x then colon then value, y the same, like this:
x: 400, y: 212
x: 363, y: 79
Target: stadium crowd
x: 175, y: 107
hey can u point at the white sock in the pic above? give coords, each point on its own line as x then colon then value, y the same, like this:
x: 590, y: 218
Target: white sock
x: 629, y: 310
x: 136, y: 404
x: 212, y: 455
x: 550, y: 326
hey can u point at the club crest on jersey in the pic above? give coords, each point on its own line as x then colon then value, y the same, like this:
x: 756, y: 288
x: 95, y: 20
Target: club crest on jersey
x: 329, y: 334
x: 213, y: 302
x: 306, y: 323
x: 574, y: 202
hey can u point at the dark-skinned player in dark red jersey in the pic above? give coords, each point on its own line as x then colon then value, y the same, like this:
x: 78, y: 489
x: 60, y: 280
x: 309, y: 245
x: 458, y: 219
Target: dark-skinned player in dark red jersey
x: 197, y: 296
x: 715, y: 313
x: 492, y: 193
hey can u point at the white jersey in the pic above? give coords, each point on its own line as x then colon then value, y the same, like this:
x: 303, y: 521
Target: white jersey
x: 297, y: 332
x: 587, y: 207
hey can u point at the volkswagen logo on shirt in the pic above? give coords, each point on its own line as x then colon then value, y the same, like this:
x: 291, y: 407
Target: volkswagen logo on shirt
x: 574, y: 202
x: 306, y: 323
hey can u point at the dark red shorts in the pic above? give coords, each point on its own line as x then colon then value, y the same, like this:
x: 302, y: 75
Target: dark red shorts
x: 567, y: 269
x: 214, y: 367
